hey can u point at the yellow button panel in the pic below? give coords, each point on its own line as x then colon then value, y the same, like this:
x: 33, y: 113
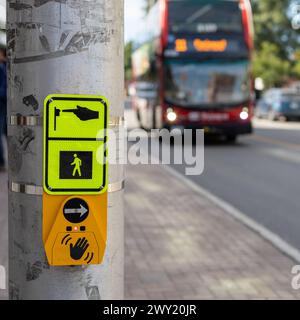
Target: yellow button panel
x: 74, y: 229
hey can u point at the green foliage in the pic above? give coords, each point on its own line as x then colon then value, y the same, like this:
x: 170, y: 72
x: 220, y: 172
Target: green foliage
x: 149, y: 4
x: 272, y: 24
x: 275, y: 42
x: 296, y: 69
x: 128, y: 65
x: 270, y: 66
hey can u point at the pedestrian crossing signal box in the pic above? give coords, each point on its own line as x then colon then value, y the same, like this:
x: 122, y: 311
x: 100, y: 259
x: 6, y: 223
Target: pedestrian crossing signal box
x: 75, y: 179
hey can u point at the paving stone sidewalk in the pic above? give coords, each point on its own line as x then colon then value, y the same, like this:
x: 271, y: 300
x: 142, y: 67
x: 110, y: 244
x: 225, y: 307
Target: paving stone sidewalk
x: 180, y: 245
x: 3, y: 232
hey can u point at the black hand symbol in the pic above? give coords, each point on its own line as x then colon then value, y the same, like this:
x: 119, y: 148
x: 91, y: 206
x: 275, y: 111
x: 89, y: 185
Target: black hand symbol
x: 84, y: 114
x: 77, y: 251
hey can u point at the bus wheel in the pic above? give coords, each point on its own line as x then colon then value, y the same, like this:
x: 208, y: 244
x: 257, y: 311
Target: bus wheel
x: 231, y: 138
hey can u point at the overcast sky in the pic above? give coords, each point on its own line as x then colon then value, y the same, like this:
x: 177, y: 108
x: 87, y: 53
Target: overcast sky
x: 133, y: 16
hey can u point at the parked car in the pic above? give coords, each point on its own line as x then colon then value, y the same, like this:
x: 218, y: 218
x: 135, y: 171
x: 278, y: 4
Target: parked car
x: 279, y: 104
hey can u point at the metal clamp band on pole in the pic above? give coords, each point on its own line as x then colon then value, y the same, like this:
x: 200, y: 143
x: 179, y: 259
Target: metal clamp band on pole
x: 115, y: 122
x: 33, y: 190
x: 31, y: 121
x: 37, y: 121
x: 26, y: 189
x: 116, y: 187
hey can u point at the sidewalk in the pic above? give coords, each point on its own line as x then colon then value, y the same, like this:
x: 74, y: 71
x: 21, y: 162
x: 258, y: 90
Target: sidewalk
x: 3, y: 229
x: 180, y: 245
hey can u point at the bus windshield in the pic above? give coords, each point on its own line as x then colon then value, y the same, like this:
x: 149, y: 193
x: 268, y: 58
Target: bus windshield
x: 210, y: 83
x: 204, y: 16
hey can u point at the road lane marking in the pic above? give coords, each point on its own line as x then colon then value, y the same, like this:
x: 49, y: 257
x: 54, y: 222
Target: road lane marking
x: 2, y: 278
x: 265, y: 233
x: 284, y: 155
x: 269, y: 140
x: 289, y: 153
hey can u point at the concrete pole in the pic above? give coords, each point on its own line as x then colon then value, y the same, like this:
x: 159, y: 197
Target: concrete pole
x: 68, y: 47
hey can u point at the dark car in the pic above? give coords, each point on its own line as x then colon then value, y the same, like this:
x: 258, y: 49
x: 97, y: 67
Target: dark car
x: 279, y: 104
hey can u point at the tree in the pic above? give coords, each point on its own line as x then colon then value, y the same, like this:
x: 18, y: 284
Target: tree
x: 272, y: 24
x: 275, y: 42
x: 128, y: 64
x: 268, y: 65
x: 296, y: 69
x: 149, y: 4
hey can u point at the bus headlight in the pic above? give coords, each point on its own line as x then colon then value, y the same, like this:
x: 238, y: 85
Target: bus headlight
x: 244, y: 115
x: 171, y: 116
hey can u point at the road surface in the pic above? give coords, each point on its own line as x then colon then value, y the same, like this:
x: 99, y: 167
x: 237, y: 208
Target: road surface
x: 260, y: 176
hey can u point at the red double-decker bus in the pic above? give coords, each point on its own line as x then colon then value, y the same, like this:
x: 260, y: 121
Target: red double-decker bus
x: 192, y: 67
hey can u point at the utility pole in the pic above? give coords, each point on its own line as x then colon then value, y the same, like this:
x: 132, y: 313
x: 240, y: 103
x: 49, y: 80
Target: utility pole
x: 59, y: 47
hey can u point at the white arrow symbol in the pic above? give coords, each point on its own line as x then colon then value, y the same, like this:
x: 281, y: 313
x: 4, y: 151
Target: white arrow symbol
x: 82, y: 210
